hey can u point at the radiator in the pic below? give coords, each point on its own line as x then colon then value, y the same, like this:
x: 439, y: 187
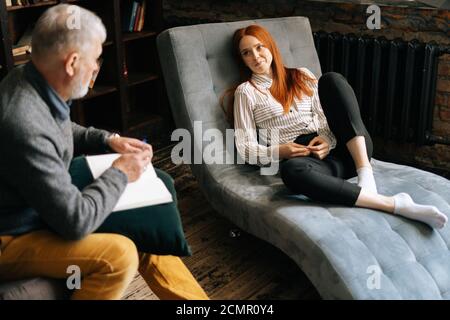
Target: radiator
x: 394, y: 82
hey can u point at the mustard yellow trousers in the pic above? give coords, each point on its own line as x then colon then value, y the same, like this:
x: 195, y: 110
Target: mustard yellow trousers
x: 108, y: 264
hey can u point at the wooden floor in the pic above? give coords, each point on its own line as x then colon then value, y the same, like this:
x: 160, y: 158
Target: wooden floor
x: 241, y: 267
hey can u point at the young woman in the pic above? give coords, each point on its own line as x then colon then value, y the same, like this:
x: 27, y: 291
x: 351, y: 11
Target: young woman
x: 322, y: 140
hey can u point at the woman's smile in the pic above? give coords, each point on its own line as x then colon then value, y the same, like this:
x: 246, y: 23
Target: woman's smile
x: 255, y: 55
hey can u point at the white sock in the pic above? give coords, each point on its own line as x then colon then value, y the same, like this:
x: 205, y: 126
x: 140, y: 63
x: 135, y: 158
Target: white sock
x: 405, y: 206
x: 366, y: 179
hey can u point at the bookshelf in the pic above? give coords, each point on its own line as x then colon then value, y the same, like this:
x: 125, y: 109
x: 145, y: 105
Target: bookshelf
x: 128, y: 96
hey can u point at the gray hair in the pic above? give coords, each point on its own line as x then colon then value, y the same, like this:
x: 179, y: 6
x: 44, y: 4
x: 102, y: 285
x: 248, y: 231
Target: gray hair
x: 66, y: 27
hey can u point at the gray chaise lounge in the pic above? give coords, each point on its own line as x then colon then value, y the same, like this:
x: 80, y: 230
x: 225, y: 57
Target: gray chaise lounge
x: 339, y: 248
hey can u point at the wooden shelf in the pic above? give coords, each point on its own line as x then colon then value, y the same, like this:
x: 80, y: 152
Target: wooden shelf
x: 24, y: 58
x: 39, y: 4
x: 137, y: 35
x: 135, y: 78
x: 99, y: 90
x: 141, y: 120
x: 113, y: 92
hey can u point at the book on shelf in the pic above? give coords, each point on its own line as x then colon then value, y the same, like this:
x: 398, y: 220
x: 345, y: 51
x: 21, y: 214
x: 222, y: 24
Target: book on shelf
x: 23, y: 46
x: 141, y: 19
x: 10, y: 3
x: 134, y: 16
x: 20, y: 50
x: 148, y: 190
x: 134, y: 10
x: 138, y: 18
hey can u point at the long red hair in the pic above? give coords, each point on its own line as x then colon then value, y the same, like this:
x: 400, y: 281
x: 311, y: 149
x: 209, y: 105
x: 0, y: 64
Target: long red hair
x: 287, y: 83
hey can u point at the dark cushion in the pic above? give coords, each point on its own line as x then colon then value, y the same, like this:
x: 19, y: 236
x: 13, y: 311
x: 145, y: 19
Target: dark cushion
x: 154, y: 229
x: 34, y: 289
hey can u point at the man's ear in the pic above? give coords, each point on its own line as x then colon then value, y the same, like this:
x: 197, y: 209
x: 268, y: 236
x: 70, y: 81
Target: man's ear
x: 71, y: 63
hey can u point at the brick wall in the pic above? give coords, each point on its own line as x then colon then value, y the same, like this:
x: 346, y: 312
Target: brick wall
x: 407, y: 22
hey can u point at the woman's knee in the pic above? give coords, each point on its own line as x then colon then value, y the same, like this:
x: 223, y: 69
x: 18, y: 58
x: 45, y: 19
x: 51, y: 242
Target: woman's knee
x: 334, y: 87
x: 331, y: 79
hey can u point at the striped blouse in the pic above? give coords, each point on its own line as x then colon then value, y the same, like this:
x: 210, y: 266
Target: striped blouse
x: 257, y: 115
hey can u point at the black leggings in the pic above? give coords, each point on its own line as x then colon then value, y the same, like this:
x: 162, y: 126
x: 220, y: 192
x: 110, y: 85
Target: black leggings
x: 324, y: 180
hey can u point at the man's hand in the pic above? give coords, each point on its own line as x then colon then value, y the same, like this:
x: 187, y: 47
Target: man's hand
x: 292, y: 150
x: 128, y: 145
x: 133, y: 164
x: 319, y: 147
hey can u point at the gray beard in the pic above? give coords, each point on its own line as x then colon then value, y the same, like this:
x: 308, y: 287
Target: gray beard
x: 79, y: 91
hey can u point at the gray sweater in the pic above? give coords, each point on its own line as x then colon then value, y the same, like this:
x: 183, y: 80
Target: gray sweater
x: 36, y: 148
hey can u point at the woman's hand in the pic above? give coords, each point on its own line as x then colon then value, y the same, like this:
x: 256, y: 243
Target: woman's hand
x: 128, y: 145
x: 319, y: 147
x: 292, y: 150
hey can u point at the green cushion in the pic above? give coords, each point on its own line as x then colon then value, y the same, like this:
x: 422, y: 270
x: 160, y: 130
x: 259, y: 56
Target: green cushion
x: 154, y: 229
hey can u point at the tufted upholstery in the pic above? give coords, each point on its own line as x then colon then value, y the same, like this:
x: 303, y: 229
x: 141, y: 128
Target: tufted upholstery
x: 339, y: 248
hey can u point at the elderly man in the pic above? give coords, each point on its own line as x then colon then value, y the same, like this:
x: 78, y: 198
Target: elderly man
x: 46, y: 223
